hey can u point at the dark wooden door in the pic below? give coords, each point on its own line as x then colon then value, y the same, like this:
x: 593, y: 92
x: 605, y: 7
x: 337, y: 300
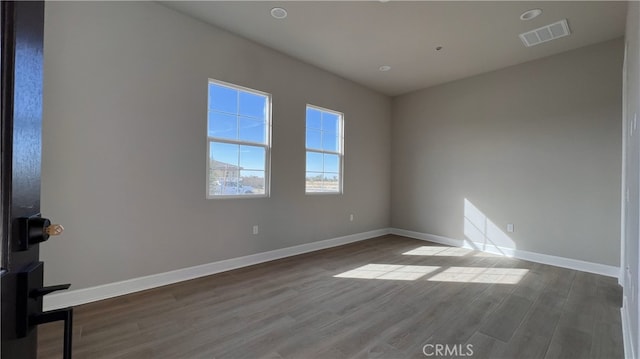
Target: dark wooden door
x: 21, y: 116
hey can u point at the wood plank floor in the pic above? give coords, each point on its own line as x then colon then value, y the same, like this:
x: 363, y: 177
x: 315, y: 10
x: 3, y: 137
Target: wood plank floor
x: 386, y: 297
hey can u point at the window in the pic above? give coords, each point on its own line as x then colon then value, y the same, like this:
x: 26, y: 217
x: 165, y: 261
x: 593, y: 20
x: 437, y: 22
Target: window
x: 324, y: 150
x: 239, y: 141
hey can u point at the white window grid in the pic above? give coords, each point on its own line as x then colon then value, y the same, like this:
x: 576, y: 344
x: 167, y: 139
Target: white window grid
x: 339, y: 152
x: 266, y: 144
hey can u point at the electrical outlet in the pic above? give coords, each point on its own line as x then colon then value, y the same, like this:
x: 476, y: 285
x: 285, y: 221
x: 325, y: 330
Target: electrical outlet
x: 510, y: 227
x: 351, y: 217
x: 255, y: 229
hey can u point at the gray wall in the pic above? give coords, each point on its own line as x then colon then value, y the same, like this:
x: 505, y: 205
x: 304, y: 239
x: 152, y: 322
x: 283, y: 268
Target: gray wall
x: 537, y: 145
x: 124, y: 162
x: 124, y: 143
x: 631, y: 180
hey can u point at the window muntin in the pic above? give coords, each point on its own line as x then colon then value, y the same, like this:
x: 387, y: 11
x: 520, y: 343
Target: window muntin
x: 239, y: 141
x: 324, y: 144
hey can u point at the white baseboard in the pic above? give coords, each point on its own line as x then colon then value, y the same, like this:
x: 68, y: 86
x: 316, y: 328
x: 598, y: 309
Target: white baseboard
x: 92, y: 294
x: 626, y: 330
x: 428, y: 237
x: 597, y: 268
x: 110, y: 290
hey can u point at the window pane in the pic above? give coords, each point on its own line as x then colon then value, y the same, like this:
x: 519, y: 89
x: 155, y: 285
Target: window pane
x: 314, y: 162
x: 224, y: 154
x: 215, y: 178
x: 223, y: 99
x: 331, y: 182
x: 314, y: 139
x: 324, y: 150
x: 238, y: 128
x: 331, y: 163
x: 314, y: 118
x: 229, y: 187
x: 224, y: 171
x: 252, y: 182
x: 223, y: 125
x: 314, y: 182
x: 330, y: 122
x: 330, y: 142
x: 252, y: 158
x: 252, y: 105
x: 252, y: 130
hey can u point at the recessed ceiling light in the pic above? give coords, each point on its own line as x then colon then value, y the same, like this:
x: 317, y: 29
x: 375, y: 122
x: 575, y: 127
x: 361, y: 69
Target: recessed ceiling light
x: 383, y: 0
x: 384, y: 68
x: 530, y: 14
x: 278, y: 13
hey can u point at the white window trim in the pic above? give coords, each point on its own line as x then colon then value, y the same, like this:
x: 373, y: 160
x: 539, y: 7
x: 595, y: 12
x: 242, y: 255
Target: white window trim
x: 267, y: 145
x: 340, y: 152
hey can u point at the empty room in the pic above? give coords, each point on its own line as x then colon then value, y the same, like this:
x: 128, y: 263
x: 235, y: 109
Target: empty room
x: 320, y: 179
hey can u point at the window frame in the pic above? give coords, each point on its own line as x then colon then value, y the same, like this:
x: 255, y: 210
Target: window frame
x: 340, y: 153
x: 266, y: 145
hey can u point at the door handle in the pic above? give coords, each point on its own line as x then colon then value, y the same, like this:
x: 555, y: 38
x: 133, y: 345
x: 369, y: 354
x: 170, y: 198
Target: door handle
x: 65, y: 315
x: 29, y: 312
x: 34, y: 230
x: 40, y: 292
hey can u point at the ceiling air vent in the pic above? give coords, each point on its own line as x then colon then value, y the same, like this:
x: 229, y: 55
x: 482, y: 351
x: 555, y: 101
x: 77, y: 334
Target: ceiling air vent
x: 546, y: 33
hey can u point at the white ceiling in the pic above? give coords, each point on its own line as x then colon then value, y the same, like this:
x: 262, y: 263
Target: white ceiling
x: 354, y: 38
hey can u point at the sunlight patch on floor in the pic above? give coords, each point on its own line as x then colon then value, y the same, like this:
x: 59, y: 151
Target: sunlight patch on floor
x: 480, y: 275
x: 388, y: 271
x: 438, y: 251
x: 487, y: 254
